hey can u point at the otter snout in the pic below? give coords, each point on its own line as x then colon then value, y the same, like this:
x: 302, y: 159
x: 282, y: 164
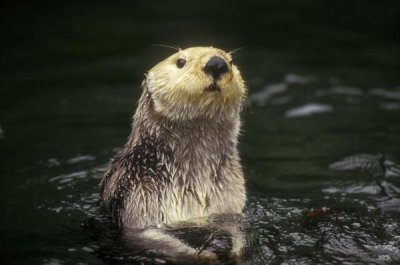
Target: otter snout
x: 215, y: 67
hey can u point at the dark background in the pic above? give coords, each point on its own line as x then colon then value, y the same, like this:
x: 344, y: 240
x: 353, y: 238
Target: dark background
x: 70, y: 78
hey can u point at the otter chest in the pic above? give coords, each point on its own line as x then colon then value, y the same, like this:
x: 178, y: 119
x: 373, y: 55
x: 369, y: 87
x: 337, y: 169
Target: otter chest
x: 193, y: 193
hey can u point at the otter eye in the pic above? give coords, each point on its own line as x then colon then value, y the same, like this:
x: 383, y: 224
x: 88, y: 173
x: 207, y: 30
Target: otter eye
x: 180, y: 63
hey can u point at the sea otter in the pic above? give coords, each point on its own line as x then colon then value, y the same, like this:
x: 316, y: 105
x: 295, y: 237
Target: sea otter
x: 181, y: 160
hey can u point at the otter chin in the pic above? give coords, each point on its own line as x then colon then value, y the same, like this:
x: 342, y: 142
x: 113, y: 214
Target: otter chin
x: 181, y: 160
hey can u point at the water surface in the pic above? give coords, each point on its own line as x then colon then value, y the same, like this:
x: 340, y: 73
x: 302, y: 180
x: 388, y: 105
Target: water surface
x: 320, y: 142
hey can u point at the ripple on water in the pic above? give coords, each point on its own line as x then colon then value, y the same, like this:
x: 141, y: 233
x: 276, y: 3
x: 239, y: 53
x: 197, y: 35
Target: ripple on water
x: 371, y: 188
x: 332, y: 237
x: 79, y: 159
x: 350, y: 92
x: 385, y: 93
x: 264, y: 96
x: 279, y: 230
x: 382, y: 169
x: 308, y: 110
x: 389, y: 205
x: 283, y: 93
x: 292, y: 78
x: 79, y: 189
x: 54, y: 162
x: 52, y: 262
x: 62, y: 179
x: 378, y: 165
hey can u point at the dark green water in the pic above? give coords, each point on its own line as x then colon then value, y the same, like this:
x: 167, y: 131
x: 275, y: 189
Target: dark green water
x: 321, y: 128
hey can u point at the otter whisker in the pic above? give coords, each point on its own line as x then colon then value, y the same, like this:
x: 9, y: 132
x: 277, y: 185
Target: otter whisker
x: 235, y: 50
x: 173, y: 47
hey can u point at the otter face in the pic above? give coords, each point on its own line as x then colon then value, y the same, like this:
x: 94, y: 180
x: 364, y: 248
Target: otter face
x: 199, y: 81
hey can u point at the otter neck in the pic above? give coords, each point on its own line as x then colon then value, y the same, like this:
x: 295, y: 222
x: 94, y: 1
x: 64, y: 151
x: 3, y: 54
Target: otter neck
x: 193, y: 144
x: 148, y: 122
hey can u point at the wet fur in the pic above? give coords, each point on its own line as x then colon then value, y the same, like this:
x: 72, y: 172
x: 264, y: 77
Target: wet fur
x: 181, y: 160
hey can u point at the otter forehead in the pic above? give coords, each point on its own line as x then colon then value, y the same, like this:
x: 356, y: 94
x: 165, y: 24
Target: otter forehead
x: 202, y: 79
x: 203, y: 52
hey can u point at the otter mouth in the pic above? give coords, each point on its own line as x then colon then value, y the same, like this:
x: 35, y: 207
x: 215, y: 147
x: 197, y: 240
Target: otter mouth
x: 213, y: 88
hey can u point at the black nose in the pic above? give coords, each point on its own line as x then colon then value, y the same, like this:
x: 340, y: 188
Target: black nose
x: 216, y: 66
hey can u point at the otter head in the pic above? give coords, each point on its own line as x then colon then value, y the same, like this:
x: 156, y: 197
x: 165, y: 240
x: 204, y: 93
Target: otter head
x: 196, y: 82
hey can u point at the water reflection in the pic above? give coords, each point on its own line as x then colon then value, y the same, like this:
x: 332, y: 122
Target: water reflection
x: 308, y: 110
x: 385, y: 93
x: 378, y: 165
x: 79, y: 159
x: 288, y: 92
x: 262, y: 97
x: 340, y: 90
x: 347, y: 236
